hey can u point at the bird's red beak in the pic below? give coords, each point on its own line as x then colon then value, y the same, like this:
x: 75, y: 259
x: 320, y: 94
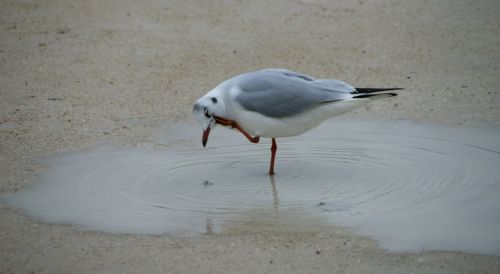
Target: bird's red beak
x: 204, y: 136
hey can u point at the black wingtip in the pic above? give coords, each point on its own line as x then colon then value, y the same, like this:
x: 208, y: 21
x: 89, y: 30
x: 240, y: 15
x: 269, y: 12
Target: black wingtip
x: 366, y: 95
x: 370, y: 90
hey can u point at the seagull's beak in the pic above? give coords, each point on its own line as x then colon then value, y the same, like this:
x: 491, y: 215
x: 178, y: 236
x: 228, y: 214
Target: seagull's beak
x: 204, y: 136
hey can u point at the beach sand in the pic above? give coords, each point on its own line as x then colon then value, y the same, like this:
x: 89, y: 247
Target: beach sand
x: 76, y: 74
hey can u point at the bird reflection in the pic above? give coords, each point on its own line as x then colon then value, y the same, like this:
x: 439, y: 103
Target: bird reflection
x: 276, y: 199
x: 209, y: 227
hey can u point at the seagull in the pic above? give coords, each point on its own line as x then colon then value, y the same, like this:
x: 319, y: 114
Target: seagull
x: 274, y: 103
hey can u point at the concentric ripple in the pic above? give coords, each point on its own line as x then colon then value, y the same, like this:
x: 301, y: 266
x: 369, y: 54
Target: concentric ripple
x: 410, y: 186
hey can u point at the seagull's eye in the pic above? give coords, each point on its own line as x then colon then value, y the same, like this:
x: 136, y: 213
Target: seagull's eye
x: 206, y: 113
x: 214, y: 100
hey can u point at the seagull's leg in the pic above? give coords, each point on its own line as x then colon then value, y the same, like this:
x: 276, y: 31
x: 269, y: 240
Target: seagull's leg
x: 274, y: 147
x: 235, y: 125
x: 255, y: 139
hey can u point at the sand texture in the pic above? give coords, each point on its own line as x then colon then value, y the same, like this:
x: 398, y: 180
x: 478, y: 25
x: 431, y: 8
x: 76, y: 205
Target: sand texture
x: 78, y: 74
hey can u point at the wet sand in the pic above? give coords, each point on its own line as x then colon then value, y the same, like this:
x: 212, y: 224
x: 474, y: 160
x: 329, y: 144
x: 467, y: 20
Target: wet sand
x: 78, y: 75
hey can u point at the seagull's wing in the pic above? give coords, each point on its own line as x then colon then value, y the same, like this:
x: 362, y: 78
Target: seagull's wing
x: 281, y: 93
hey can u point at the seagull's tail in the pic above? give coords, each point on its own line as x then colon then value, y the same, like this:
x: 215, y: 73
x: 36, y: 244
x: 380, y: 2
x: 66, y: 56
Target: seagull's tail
x: 370, y: 93
x: 371, y: 90
x: 375, y: 96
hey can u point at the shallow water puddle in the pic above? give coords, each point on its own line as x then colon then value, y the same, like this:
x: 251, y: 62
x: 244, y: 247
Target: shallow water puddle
x: 410, y: 186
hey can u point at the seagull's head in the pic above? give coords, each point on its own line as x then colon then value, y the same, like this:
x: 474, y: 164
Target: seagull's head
x: 204, y: 111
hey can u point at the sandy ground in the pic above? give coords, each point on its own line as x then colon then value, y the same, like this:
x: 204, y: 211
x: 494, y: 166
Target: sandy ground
x: 74, y: 74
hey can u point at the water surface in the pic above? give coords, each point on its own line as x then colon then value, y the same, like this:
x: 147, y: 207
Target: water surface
x: 409, y: 186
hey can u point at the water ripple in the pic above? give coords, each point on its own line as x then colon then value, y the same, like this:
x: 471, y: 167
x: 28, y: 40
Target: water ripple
x: 409, y: 186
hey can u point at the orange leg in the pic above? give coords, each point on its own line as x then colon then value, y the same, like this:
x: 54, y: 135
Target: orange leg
x: 233, y: 124
x: 274, y: 147
x: 256, y: 139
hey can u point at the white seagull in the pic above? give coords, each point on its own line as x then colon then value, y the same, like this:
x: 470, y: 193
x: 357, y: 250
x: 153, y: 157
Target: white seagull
x: 272, y: 103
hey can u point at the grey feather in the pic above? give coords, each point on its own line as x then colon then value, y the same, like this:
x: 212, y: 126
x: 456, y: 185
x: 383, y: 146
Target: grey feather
x: 283, y: 93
